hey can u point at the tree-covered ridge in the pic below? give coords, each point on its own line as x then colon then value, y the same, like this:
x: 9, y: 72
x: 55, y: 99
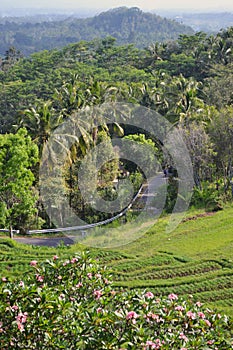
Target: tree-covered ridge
x: 127, y: 25
x: 149, y: 76
x: 183, y: 80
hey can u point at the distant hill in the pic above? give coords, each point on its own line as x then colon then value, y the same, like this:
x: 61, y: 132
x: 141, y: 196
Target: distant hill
x: 211, y: 22
x: 127, y: 25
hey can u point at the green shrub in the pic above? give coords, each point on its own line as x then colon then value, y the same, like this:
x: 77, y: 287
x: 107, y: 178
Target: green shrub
x: 209, y: 196
x: 71, y: 305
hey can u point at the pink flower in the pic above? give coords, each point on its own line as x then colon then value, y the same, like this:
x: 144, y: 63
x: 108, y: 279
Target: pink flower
x: 33, y: 263
x: 183, y: 349
x: 191, y: 315
x: 210, y: 342
x: 99, y: 310
x: 201, y: 315
x: 20, y: 326
x: 208, y: 323
x: 89, y: 275
x: 97, y: 293
x: 74, y: 260
x: 21, y: 284
x: 22, y: 317
x: 39, y: 278
x: 55, y: 257
x: 149, y: 295
x: 66, y: 262
x: 152, y: 316
x: 199, y: 304
x: 154, y: 345
x: 149, y: 342
x: 4, y: 279
x: 179, y: 308
x: 183, y: 337
x: 79, y: 285
x: 59, y: 278
x: 131, y: 315
x: 106, y: 281
x: 98, y: 275
x: 172, y: 296
x: 14, y: 308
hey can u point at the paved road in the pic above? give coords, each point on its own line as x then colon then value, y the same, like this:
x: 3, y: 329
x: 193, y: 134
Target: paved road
x: 49, y: 241
x: 151, y: 190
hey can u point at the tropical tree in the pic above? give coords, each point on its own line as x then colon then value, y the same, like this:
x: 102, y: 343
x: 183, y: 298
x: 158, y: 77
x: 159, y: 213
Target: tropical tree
x: 69, y: 97
x: 12, y: 56
x: 221, y: 133
x: 40, y: 121
x: 184, y: 99
x: 18, y: 197
x: 201, y: 150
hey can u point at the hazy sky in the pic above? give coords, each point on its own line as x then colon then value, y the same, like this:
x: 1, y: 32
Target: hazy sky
x: 106, y: 4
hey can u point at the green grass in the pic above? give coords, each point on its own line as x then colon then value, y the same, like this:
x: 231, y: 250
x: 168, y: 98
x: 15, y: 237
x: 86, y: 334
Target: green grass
x: 196, y: 258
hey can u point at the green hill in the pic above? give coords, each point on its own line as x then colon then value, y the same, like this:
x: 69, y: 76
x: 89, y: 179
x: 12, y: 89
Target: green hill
x: 127, y: 25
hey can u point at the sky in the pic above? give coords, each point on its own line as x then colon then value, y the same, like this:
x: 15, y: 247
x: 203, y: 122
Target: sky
x: 107, y: 4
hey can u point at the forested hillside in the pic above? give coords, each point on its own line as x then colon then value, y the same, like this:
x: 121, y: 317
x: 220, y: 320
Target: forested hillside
x: 127, y: 25
x: 188, y: 81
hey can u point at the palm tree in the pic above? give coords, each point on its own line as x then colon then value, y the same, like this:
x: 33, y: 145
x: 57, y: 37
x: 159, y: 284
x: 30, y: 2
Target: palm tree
x: 184, y: 93
x: 40, y: 121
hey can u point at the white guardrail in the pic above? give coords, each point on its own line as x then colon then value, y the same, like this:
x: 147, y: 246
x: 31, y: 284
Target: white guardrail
x: 84, y: 227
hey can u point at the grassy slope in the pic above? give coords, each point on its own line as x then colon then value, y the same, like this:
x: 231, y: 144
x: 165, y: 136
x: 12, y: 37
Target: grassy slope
x: 194, y: 259
x: 201, y: 260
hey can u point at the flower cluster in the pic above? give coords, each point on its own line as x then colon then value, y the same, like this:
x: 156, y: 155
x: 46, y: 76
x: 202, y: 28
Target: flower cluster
x: 72, y: 305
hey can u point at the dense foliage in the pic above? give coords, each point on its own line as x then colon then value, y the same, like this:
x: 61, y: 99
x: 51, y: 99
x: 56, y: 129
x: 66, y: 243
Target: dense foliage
x: 71, y: 304
x: 18, y: 154
x: 188, y: 81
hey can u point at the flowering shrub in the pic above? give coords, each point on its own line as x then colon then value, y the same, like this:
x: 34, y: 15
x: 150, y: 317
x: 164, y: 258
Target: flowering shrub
x: 72, y: 305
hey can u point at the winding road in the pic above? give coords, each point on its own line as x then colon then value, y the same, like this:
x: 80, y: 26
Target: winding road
x: 147, y: 196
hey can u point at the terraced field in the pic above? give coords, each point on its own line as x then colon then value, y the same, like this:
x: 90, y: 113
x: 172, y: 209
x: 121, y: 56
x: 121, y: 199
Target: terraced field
x: 208, y: 281
x: 195, y: 259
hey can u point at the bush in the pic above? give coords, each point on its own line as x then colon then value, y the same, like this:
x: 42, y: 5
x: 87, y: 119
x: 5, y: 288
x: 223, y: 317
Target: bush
x: 72, y: 305
x: 209, y: 196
